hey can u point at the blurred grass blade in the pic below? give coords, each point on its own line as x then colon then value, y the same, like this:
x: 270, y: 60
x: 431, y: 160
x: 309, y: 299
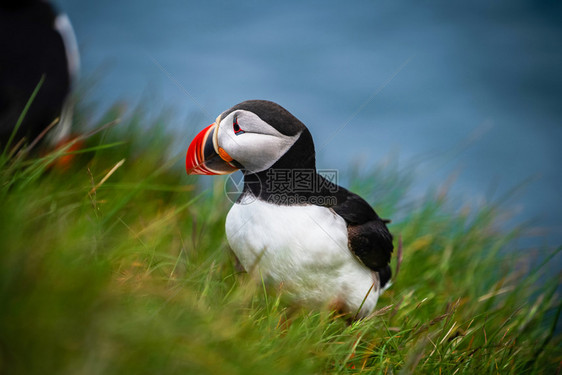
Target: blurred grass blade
x: 22, y: 116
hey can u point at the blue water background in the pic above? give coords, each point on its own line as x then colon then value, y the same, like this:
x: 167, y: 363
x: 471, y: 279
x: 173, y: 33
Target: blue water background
x: 470, y: 89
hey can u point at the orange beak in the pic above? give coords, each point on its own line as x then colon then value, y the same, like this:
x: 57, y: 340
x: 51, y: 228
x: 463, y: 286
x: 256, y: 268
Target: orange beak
x: 204, y: 157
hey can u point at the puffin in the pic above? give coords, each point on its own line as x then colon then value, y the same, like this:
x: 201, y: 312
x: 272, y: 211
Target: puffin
x: 38, y: 44
x: 292, y: 227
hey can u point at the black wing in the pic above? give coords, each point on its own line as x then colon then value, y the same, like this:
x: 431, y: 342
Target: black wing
x: 368, y: 237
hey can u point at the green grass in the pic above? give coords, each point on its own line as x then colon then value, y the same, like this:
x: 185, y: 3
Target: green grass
x: 119, y: 265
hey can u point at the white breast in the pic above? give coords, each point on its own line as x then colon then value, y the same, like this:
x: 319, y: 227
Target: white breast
x: 303, y: 248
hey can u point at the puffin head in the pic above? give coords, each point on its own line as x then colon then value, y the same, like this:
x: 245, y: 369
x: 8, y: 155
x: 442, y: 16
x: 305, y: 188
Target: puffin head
x: 254, y: 136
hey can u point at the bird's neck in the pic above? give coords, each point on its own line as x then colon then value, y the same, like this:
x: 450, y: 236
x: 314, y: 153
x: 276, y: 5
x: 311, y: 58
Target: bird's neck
x: 290, y: 187
x: 292, y: 178
x: 283, y: 186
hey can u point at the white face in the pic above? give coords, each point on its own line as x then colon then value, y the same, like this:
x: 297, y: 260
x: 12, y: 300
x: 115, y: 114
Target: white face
x: 251, y: 141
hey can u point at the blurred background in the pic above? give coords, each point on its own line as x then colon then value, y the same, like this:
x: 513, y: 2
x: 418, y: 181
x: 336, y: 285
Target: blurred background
x: 467, y: 92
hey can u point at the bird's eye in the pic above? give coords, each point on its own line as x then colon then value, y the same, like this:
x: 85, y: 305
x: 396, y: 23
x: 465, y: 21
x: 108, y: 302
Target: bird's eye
x: 236, y: 127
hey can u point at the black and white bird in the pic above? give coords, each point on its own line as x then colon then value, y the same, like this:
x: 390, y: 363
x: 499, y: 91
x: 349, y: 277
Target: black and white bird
x: 317, y: 241
x: 36, y: 41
